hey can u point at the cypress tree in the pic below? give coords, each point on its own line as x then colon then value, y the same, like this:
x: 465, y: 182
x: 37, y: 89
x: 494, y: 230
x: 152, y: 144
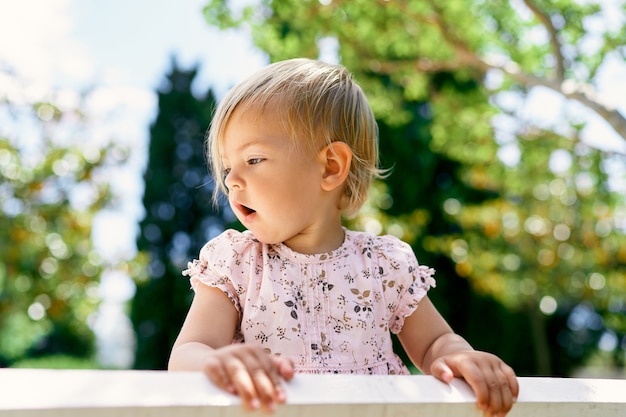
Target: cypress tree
x: 179, y: 214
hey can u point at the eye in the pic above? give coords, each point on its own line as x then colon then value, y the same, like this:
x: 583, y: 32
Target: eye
x: 225, y: 172
x: 254, y: 161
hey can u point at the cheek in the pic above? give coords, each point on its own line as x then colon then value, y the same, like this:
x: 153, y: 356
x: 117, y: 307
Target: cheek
x: 297, y: 182
x: 290, y: 189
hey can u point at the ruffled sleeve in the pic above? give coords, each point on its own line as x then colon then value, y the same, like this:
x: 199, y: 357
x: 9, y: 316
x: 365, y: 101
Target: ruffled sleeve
x: 407, y: 282
x: 220, y: 265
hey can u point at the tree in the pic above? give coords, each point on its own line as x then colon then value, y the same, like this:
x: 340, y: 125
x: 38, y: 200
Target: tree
x: 180, y: 216
x: 50, y: 190
x: 561, y: 46
x: 549, y: 239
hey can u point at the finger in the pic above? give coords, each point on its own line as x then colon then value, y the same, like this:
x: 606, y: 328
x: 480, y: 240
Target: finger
x: 440, y: 370
x: 499, y: 394
x: 284, y: 366
x: 216, y: 373
x: 503, y: 391
x: 269, y: 395
x: 265, y: 377
x: 509, y: 387
x: 242, y: 383
x: 286, y: 371
x: 473, y: 374
x: 512, y: 379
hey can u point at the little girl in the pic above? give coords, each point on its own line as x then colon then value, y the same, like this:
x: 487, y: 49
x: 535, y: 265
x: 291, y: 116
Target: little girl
x: 295, y: 147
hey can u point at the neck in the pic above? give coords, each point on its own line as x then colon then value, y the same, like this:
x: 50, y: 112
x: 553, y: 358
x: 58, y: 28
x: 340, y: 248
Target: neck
x: 322, y: 239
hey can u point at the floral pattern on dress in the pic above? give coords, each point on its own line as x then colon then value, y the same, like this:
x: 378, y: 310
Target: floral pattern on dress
x: 330, y: 312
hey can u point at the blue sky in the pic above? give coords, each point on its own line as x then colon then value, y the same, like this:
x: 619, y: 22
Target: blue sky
x: 136, y: 39
x: 69, y: 42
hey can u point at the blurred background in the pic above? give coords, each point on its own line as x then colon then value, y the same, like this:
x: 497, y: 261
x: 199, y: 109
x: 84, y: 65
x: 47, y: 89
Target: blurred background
x: 504, y: 123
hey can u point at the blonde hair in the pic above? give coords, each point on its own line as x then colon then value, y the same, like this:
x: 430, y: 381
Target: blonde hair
x: 321, y: 104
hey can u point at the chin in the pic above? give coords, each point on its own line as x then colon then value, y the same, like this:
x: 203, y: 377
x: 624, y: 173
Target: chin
x: 268, y: 240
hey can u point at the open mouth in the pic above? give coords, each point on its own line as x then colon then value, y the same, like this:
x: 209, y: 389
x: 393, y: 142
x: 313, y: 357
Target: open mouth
x: 246, y: 211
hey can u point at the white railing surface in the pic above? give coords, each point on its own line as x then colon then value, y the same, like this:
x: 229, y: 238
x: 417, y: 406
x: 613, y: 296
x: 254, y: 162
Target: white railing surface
x: 70, y: 393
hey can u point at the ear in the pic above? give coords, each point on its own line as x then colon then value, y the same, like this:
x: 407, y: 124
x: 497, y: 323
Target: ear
x: 336, y: 159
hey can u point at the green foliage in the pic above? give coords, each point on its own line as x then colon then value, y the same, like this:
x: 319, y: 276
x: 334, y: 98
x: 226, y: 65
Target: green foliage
x: 180, y: 216
x: 551, y: 234
x: 50, y: 190
x: 533, y: 42
x: 57, y: 362
x: 537, y: 244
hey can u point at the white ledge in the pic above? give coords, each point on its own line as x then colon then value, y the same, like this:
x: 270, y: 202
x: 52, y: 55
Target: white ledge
x: 69, y: 393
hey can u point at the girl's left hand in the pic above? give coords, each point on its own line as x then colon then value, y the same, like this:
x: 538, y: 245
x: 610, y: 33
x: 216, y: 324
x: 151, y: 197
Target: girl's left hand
x: 493, y: 381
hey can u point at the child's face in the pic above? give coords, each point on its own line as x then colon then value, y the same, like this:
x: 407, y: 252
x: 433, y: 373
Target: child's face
x: 274, y: 188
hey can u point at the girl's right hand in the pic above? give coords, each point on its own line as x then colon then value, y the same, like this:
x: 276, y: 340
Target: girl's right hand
x: 251, y: 373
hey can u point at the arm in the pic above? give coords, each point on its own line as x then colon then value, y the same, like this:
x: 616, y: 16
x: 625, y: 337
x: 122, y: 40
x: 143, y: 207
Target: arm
x: 433, y: 347
x: 210, y: 324
x: 204, y: 344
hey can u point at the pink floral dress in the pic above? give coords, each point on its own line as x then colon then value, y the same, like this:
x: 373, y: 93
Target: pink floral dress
x: 330, y: 312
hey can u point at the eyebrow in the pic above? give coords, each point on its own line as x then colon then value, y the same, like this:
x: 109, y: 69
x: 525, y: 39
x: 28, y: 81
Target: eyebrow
x: 243, y: 147
x: 265, y: 144
x: 254, y: 142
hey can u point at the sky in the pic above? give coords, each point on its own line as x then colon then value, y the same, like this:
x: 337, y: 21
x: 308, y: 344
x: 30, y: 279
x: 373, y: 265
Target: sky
x: 117, y: 42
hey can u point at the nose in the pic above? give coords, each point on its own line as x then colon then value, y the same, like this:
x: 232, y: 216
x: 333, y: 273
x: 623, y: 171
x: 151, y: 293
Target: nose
x: 233, y: 180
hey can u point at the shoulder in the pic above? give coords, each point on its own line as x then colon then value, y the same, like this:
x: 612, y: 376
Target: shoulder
x: 391, y: 255
x: 230, y: 240
x: 381, y: 244
x: 223, y: 263
x: 224, y: 253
